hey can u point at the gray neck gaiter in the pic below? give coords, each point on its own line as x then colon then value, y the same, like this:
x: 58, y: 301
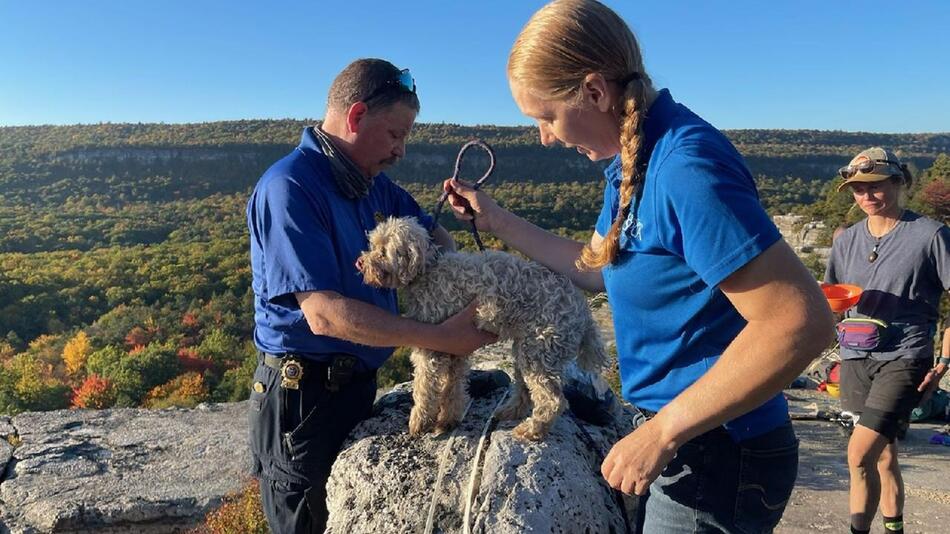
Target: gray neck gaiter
x: 349, y: 178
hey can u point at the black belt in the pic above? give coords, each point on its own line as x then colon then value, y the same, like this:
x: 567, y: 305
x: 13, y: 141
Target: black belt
x: 340, y: 371
x: 276, y: 362
x: 715, y: 433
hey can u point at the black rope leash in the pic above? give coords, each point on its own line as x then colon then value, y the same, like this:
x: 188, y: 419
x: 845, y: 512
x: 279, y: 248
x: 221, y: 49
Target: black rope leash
x: 456, y: 175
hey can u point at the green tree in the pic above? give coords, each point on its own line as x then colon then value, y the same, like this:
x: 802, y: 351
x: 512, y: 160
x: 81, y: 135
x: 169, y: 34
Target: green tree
x: 219, y: 347
x: 28, y: 385
x: 133, y: 374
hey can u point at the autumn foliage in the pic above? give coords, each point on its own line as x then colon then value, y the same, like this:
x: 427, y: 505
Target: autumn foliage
x: 140, y: 337
x: 95, y: 392
x: 76, y: 352
x: 936, y: 196
x: 186, y: 390
x: 240, y: 513
x: 190, y: 361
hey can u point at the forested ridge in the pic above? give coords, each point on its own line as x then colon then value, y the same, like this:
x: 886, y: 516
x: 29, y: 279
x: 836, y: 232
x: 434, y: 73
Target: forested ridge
x: 124, y: 276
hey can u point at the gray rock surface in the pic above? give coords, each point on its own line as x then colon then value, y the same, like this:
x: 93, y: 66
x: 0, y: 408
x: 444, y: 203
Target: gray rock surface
x: 122, y: 470
x: 7, y: 433
x: 387, y: 481
x: 6, y: 452
x: 819, y: 502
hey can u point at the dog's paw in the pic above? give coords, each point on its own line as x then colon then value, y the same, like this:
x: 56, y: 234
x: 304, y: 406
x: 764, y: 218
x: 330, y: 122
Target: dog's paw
x: 445, y: 424
x: 511, y: 411
x: 528, y: 431
x: 417, y: 424
x: 442, y: 428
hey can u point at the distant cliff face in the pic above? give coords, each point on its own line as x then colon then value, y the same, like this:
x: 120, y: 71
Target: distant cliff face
x: 424, y: 162
x: 427, y: 162
x: 151, y: 155
x: 228, y: 156
x: 802, y: 235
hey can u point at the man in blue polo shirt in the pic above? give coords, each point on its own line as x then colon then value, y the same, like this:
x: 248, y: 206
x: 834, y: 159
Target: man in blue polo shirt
x: 321, y: 331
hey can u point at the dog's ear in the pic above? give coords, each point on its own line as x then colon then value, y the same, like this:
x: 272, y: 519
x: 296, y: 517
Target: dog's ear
x: 411, y: 265
x: 412, y: 255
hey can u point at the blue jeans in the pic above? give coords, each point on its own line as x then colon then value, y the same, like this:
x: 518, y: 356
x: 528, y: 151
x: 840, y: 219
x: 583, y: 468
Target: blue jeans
x: 717, y: 485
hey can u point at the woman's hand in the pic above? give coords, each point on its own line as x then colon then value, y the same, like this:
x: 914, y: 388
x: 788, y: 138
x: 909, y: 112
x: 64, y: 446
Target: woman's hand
x: 930, y: 382
x: 468, y: 204
x: 635, y: 461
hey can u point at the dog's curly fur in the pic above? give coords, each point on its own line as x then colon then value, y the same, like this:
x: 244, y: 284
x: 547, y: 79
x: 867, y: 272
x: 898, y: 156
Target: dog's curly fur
x: 546, y: 318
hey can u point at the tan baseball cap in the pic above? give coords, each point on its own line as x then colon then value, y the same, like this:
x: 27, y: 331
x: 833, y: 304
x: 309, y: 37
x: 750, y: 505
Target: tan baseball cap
x: 872, y: 165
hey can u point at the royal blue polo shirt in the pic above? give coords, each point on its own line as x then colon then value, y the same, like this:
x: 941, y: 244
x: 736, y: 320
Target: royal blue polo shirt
x: 306, y: 236
x: 698, y: 221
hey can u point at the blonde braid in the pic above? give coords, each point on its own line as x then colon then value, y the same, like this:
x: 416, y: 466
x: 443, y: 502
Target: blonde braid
x: 563, y: 43
x: 631, y: 140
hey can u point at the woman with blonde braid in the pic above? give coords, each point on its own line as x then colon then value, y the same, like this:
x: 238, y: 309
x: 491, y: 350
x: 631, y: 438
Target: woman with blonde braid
x: 713, y: 312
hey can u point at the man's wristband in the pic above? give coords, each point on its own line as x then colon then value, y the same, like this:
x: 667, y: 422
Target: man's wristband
x: 944, y: 360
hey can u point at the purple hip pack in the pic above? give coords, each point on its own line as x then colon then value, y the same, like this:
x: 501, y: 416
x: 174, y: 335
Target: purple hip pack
x: 862, y: 333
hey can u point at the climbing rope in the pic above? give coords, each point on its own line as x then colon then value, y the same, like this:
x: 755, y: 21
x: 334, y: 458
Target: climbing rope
x: 443, y: 462
x: 476, y: 477
x: 478, y: 183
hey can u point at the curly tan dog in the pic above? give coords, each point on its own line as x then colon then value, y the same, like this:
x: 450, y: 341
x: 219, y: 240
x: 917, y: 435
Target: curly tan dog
x: 546, y: 318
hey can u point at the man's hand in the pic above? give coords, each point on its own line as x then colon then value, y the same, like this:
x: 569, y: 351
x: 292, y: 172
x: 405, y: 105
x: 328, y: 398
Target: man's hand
x: 330, y: 314
x: 635, y: 461
x: 460, y: 335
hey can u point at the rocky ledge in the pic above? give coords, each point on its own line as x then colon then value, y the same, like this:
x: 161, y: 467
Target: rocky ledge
x: 144, y: 471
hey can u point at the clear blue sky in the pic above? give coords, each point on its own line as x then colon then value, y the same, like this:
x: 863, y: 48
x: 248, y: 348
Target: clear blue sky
x: 845, y: 65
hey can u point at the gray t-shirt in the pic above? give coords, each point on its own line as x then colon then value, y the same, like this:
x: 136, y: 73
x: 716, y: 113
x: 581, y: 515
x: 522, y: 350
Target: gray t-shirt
x: 902, y: 287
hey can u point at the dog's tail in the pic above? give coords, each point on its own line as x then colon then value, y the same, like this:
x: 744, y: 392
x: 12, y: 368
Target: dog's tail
x: 592, y: 356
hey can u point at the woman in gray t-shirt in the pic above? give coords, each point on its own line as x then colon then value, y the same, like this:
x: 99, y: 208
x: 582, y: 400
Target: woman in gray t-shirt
x: 902, y: 261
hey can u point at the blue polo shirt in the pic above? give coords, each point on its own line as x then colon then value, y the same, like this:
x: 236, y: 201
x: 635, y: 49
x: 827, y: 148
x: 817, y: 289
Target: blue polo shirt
x: 698, y: 221
x: 306, y: 236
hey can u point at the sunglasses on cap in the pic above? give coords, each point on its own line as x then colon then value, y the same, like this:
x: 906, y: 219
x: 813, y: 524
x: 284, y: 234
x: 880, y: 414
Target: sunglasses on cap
x: 404, y: 83
x: 865, y: 166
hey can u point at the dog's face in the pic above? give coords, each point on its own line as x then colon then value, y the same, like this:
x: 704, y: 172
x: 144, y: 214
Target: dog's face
x: 398, y: 252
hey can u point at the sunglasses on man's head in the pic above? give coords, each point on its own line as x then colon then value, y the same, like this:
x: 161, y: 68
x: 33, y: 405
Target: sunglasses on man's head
x: 403, y: 83
x: 865, y: 166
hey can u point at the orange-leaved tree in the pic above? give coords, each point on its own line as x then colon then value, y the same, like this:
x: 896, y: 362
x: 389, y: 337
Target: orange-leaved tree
x: 95, y: 392
x: 240, y: 513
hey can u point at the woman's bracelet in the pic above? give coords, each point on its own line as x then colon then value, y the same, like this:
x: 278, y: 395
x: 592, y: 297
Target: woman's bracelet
x: 944, y: 360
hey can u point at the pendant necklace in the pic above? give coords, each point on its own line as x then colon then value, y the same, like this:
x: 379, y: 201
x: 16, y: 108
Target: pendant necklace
x: 873, y: 255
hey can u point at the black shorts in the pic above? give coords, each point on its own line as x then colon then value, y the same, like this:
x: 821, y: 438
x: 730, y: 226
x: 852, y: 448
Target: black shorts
x: 883, y: 393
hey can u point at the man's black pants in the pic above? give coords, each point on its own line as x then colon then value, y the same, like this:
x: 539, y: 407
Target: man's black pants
x: 295, y: 435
